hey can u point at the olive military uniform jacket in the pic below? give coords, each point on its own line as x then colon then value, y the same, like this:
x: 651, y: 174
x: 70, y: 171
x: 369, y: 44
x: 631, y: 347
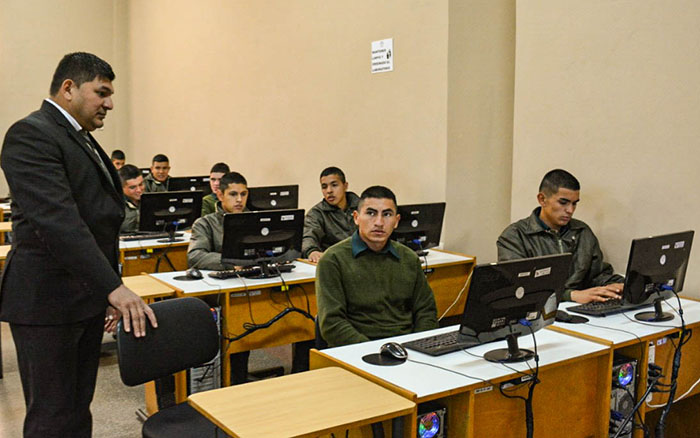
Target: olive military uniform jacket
x: 131, y: 218
x: 326, y: 225
x: 153, y: 185
x: 530, y: 237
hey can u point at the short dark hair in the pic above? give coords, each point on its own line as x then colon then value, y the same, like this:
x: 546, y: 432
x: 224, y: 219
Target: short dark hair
x: 127, y: 172
x: 220, y: 168
x: 160, y: 158
x: 118, y: 154
x: 231, y: 178
x: 376, y: 192
x: 80, y: 67
x: 333, y: 171
x: 557, y: 179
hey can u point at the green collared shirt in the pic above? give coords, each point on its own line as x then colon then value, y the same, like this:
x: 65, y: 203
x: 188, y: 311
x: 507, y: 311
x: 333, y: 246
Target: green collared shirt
x: 359, y: 246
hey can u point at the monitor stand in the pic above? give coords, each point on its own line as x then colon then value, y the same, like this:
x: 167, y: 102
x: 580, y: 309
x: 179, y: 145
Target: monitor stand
x: 171, y: 237
x: 511, y: 354
x: 658, y: 315
x: 265, y: 271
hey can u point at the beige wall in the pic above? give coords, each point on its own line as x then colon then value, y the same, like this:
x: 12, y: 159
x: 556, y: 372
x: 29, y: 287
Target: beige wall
x: 279, y: 90
x: 35, y: 34
x: 611, y: 91
x: 480, y: 124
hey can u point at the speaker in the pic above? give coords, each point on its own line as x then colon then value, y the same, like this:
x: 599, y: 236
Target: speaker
x: 432, y: 420
x: 623, y: 394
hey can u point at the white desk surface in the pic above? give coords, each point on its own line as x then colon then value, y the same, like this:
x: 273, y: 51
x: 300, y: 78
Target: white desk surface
x: 183, y: 240
x: 427, y: 381
x: 436, y: 257
x: 5, y: 207
x: 622, y: 327
x: 303, y: 271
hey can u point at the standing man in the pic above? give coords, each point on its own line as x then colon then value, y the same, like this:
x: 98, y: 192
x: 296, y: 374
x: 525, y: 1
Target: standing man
x: 368, y: 286
x: 331, y: 220
x: 157, y: 180
x: 551, y: 229
x: 133, y: 187
x: 61, y: 274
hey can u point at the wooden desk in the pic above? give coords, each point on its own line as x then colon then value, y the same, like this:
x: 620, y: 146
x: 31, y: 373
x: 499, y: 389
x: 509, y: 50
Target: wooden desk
x: 306, y: 404
x: 143, y: 255
x: 475, y: 407
x: 653, y: 342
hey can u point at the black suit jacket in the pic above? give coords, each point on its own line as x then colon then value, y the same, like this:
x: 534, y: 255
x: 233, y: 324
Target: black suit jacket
x: 66, y: 215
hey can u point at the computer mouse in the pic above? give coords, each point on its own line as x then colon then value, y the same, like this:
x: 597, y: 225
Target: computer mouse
x: 569, y: 318
x: 194, y: 274
x: 393, y: 350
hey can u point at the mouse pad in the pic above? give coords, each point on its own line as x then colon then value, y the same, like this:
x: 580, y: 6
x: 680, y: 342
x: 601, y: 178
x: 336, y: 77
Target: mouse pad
x: 184, y: 278
x: 384, y: 361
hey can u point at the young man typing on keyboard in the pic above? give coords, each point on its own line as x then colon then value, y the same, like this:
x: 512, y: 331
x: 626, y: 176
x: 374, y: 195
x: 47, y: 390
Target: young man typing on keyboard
x: 550, y: 229
x: 368, y: 286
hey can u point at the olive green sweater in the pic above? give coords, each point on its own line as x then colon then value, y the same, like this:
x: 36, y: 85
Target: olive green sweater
x: 363, y: 295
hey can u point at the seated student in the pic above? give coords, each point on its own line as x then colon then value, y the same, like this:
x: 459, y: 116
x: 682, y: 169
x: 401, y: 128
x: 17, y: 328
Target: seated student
x: 204, y: 250
x: 368, y: 286
x: 118, y: 158
x: 550, y: 229
x: 132, y: 186
x: 157, y: 180
x: 215, y: 174
x: 331, y: 220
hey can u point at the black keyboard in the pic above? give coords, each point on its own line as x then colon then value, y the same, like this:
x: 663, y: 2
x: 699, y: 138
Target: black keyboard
x: 439, y: 344
x: 145, y: 236
x: 252, y: 271
x: 603, y: 308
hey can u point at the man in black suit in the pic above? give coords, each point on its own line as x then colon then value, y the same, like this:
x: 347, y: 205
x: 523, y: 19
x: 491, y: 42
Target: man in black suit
x: 62, y: 272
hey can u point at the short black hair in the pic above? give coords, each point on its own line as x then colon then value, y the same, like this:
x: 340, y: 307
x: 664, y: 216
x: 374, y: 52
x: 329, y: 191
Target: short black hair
x: 129, y: 171
x: 557, y: 179
x: 160, y: 158
x: 333, y: 171
x: 118, y: 154
x: 231, y: 178
x: 376, y: 192
x: 220, y: 168
x: 80, y: 67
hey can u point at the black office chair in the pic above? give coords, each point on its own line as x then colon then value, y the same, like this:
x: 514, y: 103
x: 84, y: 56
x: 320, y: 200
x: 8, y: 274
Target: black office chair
x: 186, y: 337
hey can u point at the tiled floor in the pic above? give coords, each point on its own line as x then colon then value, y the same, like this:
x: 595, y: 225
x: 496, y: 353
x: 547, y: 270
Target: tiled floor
x: 114, y: 405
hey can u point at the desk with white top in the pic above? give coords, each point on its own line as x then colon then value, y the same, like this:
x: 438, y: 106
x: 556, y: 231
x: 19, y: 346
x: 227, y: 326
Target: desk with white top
x: 654, y: 342
x: 150, y: 255
x: 475, y: 406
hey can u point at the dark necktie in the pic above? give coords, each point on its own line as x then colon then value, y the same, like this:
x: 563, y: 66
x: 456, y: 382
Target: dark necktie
x: 92, y: 147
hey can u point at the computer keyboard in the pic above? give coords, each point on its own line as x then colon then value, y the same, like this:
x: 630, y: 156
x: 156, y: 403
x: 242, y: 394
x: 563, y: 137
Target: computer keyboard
x: 252, y: 271
x: 145, y: 236
x: 439, y: 344
x: 603, y: 308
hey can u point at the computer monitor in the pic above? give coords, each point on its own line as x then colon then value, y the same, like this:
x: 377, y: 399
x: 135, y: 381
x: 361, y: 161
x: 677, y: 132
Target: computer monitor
x: 191, y: 183
x: 420, y: 226
x: 273, y: 198
x: 169, y: 211
x: 655, y: 269
x: 261, y: 238
x: 145, y: 171
x: 501, y: 295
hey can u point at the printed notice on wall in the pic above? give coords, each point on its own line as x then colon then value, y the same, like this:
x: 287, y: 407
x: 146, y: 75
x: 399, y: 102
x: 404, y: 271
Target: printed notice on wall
x: 383, y: 55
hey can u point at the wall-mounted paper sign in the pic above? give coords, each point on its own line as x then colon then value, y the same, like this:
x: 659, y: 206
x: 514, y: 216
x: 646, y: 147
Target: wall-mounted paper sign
x: 383, y: 55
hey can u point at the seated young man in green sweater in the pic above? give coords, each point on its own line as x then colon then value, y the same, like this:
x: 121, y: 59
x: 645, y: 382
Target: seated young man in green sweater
x: 331, y: 220
x: 132, y: 186
x: 550, y: 229
x: 215, y: 174
x: 368, y: 286
x: 157, y: 180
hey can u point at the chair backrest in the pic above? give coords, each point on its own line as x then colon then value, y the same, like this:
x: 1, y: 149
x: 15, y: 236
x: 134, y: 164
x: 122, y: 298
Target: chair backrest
x: 186, y: 336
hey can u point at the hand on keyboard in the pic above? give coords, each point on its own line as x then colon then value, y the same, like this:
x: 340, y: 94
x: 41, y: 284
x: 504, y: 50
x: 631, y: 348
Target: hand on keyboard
x: 598, y: 294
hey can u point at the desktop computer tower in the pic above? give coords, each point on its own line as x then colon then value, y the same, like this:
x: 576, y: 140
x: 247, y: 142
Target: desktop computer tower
x: 432, y: 420
x: 208, y: 375
x: 623, y: 394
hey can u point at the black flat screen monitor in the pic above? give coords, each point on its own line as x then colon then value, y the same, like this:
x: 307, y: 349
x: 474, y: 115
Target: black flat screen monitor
x: 169, y: 211
x: 191, y: 183
x: 655, y: 269
x: 420, y: 226
x: 273, y: 198
x: 262, y: 238
x: 145, y: 171
x: 501, y: 295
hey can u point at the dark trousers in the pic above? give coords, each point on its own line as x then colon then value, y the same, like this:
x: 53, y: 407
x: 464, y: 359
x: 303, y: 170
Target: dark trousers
x: 58, y: 368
